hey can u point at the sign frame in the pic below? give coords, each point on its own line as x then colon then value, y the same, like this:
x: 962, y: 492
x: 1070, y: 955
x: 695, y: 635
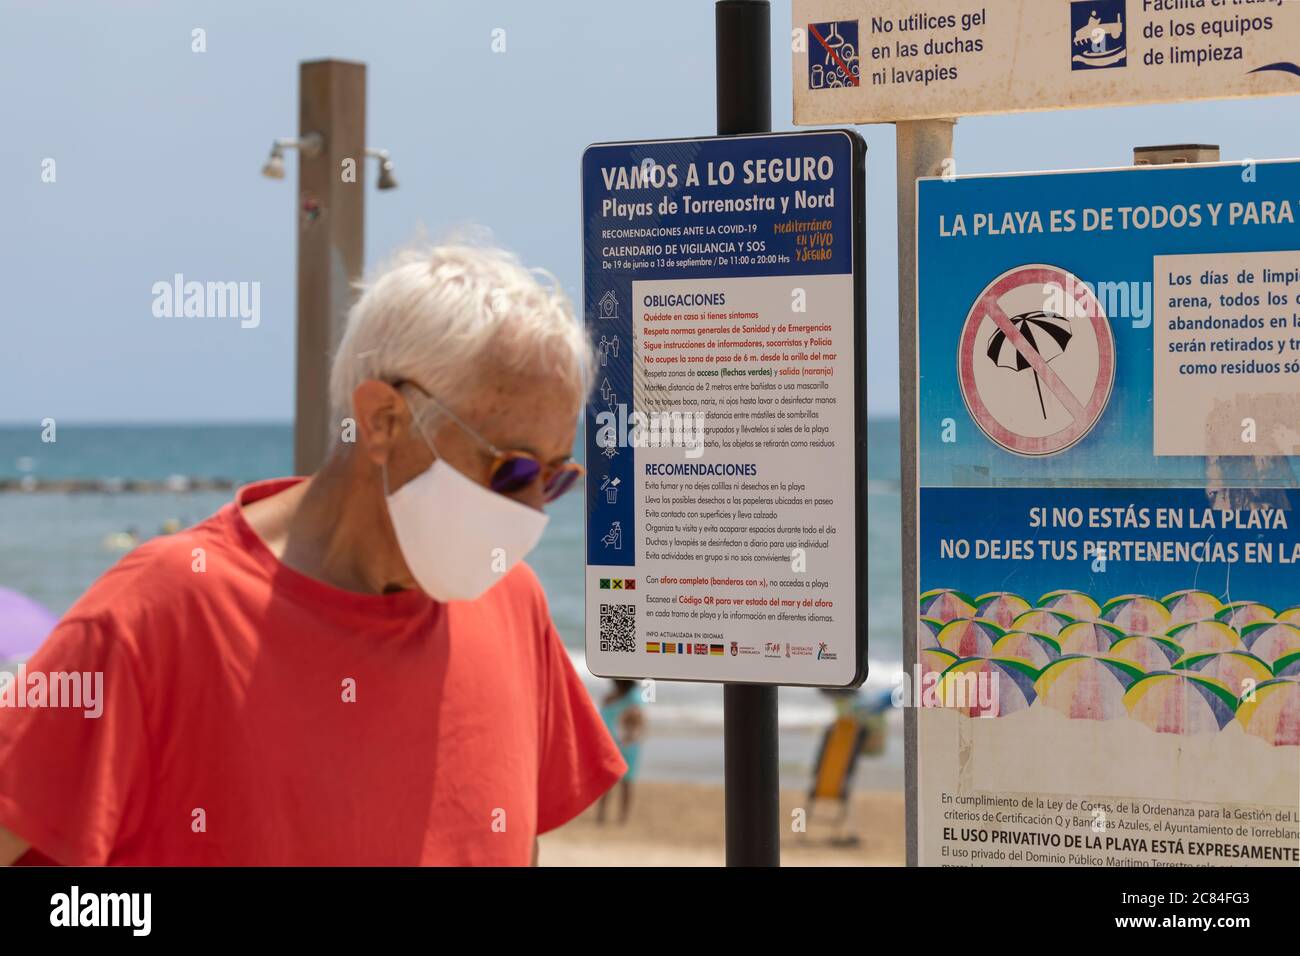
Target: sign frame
x: 924, y: 83
x: 911, y: 491
x: 857, y: 261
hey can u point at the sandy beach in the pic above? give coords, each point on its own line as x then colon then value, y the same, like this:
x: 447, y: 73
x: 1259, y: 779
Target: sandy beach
x: 681, y: 824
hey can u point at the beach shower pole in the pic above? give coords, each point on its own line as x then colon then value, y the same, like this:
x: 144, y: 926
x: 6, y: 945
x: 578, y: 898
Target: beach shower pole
x: 330, y: 213
x: 752, y: 784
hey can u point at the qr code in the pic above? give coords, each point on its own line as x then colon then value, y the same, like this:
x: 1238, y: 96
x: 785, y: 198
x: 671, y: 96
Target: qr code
x: 618, y: 628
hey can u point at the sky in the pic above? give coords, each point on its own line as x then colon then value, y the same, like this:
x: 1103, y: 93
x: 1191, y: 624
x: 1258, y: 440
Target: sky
x: 157, y: 153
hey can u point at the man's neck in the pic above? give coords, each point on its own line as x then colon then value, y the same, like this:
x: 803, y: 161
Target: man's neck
x: 322, y: 527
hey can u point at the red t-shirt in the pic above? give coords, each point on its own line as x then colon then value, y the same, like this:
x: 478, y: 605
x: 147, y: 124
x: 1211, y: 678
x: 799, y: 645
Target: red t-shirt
x: 255, y: 716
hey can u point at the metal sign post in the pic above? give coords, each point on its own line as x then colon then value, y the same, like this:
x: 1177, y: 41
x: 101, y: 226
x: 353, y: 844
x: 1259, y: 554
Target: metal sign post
x: 752, y: 782
x: 923, y: 147
x: 725, y: 436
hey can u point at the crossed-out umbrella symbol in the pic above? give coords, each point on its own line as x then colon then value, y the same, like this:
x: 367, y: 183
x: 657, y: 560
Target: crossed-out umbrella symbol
x: 1047, y: 334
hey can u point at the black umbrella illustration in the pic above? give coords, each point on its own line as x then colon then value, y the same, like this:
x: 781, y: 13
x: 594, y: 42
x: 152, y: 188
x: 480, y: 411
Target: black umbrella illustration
x: 1047, y: 334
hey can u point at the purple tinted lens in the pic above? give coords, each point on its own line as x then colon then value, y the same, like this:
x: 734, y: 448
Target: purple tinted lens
x: 514, y: 474
x: 561, y: 482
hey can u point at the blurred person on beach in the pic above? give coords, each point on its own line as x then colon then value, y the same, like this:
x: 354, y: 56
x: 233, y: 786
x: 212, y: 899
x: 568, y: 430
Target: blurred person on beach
x: 354, y: 667
x: 868, y: 711
x: 621, y: 711
x: 858, y: 729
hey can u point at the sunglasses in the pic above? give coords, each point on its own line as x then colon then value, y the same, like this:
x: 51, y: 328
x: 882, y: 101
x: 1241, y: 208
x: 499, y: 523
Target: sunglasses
x: 512, y: 471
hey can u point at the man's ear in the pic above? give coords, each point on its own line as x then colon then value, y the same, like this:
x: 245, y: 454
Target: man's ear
x: 382, y: 416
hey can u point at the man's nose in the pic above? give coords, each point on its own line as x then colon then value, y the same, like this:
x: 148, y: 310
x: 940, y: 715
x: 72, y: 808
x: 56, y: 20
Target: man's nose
x: 534, y: 496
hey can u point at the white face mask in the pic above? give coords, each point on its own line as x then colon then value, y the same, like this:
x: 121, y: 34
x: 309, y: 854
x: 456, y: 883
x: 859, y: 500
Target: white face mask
x: 457, y: 537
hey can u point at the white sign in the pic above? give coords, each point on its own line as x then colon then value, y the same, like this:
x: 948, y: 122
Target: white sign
x: 891, y: 60
x: 1106, y: 664
x: 725, y: 474
x: 1227, y: 354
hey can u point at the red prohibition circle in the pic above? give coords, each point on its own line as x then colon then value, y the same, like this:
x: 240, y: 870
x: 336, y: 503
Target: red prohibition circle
x: 1084, y: 414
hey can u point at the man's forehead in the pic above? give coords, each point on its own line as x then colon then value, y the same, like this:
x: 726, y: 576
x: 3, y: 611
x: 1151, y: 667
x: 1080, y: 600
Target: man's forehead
x: 533, y: 413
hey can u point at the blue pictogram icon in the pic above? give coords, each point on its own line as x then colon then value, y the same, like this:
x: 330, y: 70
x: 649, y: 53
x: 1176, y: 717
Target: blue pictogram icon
x: 1099, y: 34
x: 833, y: 59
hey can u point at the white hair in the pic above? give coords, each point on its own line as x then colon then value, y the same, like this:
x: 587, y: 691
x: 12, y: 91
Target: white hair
x: 438, y: 314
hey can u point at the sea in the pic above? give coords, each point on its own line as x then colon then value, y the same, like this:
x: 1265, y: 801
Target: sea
x: 53, y: 545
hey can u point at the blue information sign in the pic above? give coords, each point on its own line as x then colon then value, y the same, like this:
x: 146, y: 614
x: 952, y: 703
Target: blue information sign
x: 1108, y: 414
x: 723, y: 497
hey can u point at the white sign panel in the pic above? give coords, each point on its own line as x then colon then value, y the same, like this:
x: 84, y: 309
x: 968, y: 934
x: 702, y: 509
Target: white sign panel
x: 889, y: 60
x: 725, y: 475
x: 1106, y: 669
x: 1227, y: 350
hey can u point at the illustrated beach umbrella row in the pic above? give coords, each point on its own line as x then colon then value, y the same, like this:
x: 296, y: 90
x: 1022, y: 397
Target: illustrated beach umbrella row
x: 927, y: 631
x: 1271, y: 640
x: 1204, y: 637
x: 1241, y: 614
x: 970, y: 637
x: 1094, y: 688
x: 1288, y: 666
x: 1088, y: 688
x: 982, y: 687
x: 1074, y: 603
x: 1183, y: 703
x: 1191, y: 605
x: 1191, y: 621
x: 1135, y: 614
x: 1237, y: 671
x: 1267, y: 641
x: 945, y: 604
x: 1042, y: 621
x: 1185, y: 664
x: 1034, y: 650
x: 1274, y: 713
x: 1148, y: 654
x: 935, y: 660
x: 1000, y: 607
x: 1088, y: 637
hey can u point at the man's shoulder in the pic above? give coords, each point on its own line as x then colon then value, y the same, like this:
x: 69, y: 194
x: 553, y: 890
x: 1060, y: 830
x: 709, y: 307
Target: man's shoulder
x: 523, y: 579
x: 159, y: 575
x: 518, y: 598
x: 522, y: 587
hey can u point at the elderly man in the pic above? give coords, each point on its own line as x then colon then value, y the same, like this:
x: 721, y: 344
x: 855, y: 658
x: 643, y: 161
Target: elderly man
x: 356, y: 667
